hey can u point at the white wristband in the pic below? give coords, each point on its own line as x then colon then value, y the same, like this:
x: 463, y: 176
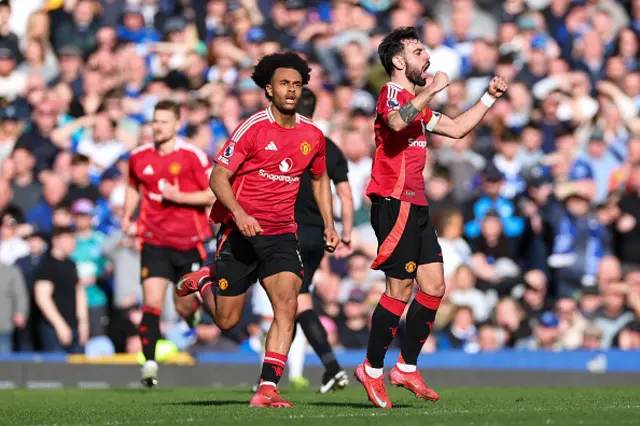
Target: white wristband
x: 488, y: 100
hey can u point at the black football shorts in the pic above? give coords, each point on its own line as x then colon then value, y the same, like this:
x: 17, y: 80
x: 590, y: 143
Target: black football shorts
x: 241, y: 261
x: 167, y: 262
x: 406, y: 237
x: 312, y: 249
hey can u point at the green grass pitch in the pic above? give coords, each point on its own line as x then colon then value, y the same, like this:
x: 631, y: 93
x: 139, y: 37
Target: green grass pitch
x: 220, y: 407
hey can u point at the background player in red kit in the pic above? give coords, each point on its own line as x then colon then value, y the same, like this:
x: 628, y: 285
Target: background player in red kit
x: 171, y: 177
x: 407, y: 243
x: 256, y: 182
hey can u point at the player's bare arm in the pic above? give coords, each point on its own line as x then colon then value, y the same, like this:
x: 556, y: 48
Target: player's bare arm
x: 198, y: 198
x: 131, y: 200
x: 43, y: 292
x: 322, y: 193
x: 220, y: 183
x: 82, y: 309
x: 343, y: 190
x: 460, y: 126
x: 399, y: 120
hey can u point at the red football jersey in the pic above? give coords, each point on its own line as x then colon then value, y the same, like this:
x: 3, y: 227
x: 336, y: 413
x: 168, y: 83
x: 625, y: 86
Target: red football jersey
x: 164, y: 223
x: 400, y: 156
x: 268, y: 162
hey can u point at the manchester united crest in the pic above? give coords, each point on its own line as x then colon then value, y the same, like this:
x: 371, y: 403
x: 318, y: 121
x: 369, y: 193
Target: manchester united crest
x: 175, y: 168
x: 410, y: 267
x: 223, y: 284
x: 305, y: 148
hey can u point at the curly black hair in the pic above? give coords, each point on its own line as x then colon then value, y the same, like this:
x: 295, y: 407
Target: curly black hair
x: 392, y: 45
x: 266, y: 68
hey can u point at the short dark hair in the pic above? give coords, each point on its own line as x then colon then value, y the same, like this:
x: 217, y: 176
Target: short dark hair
x: 266, y: 68
x: 80, y: 159
x: 392, y: 45
x: 440, y: 171
x: 62, y: 230
x: 307, y: 103
x: 168, y: 105
x: 510, y: 135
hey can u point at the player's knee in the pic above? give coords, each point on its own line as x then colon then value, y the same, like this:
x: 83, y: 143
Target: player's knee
x: 285, y: 308
x: 431, y: 279
x: 154, y: 290
x: 227, y: 322
x: 399, y: 289
x: 153, y: 300
x: 304, y: 303
x: 434, y: 287
x: 185, y: 310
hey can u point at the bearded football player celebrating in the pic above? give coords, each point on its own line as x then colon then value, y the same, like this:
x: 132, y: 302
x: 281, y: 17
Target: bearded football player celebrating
x: 172, y: 177
x: 256, y: 181
x: 408, y: 248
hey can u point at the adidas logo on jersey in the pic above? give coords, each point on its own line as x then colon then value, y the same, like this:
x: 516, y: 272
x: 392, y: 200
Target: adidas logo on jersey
x: 148, y: 170
x: 271, y: 147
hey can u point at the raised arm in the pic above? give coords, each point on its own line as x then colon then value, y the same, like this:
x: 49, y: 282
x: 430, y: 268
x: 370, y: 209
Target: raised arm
x: 399, y: 119
x: 460, y: 126
x: 61, y: 137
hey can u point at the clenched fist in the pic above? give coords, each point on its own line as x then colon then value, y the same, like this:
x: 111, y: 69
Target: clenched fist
x: 497, y: 87
x: 440, y: 81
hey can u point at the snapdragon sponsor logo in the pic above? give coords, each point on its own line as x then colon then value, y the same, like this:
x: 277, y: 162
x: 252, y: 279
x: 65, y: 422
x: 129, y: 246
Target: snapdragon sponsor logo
x: 278, y: 178
x: 416, y: 143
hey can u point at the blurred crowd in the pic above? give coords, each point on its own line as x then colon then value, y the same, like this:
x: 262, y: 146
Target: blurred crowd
x: 537, y: 210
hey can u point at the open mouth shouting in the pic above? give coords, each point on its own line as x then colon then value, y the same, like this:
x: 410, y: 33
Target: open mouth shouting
x: 425, y: 68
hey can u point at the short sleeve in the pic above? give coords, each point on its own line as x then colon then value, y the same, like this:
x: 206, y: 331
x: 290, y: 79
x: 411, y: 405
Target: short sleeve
x: 76, y: 276
x: 42, y: 272
x: 626, y: 204
x: 201, y: 168
x: 239, y: 146
x: 476, y: 245
x: 319, y: 162
x: 133, y: 178
x: 337, y: 167
x: 388, y: 101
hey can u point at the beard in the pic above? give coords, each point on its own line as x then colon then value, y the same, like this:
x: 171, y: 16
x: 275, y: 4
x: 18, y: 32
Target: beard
x: 160, y: 139
x: 414, y: 75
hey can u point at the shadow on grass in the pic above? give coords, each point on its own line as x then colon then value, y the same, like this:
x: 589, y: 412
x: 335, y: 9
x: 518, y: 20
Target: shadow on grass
x: 350, y: 404
x: 212, y: 403
x: 244, y: 402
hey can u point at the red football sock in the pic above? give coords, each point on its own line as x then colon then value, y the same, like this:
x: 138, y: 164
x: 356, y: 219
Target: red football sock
x: 273, y: 367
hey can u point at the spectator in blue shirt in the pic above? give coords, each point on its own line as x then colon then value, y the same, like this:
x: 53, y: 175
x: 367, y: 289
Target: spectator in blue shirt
x: 580, y: 243
x: 54, y: 191
x: 491, y: 200
x: 603, y: 159
x: 134, y: 29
